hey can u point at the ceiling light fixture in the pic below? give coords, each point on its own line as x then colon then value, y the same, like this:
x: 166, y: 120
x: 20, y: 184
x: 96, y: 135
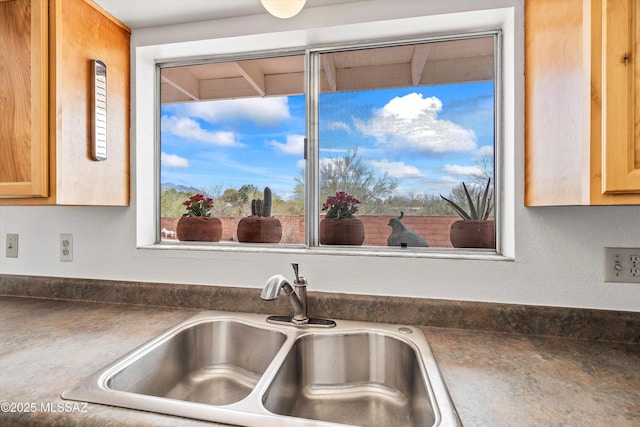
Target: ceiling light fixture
x: 283, y: 8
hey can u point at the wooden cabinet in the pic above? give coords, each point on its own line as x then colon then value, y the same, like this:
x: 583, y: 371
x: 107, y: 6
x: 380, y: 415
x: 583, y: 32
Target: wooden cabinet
x: 23, y: 98
x: 45, y: 155
x: 582, y: 109
x: 621, y: 101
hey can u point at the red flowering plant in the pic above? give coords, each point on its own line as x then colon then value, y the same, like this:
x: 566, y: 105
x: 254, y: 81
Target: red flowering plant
x: 342, y: 205
x: 198, y: 205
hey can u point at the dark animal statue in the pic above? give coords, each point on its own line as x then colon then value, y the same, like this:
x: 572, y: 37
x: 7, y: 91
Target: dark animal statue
x: 402, y: 236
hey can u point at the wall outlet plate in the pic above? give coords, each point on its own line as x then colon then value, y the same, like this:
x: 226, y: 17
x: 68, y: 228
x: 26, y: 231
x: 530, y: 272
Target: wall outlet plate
x: 622, y: 265
x: 11, y: 247
x: 66, y: 247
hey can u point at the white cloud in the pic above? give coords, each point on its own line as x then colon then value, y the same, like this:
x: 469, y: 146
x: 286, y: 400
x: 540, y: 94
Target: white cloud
x: 411, y: 123
x: 339, y: 125
x: 261, y: 111
x: 337, y: 150
x: 476, y: 113
x: 173, y: 161
x: 411, y: 106
x: 449, y: 180
x: 188, y: 128
x: 485, y: 151
x: 327, y: 161
x: 396, y: 169
x: 463, y: 170
x: 294, y: 145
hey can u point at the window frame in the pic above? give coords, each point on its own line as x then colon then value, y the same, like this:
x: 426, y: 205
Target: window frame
x: 312, y: 155
x: 462, y: 24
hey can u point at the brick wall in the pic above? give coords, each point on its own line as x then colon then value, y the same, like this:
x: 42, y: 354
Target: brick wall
x: 435, y: 229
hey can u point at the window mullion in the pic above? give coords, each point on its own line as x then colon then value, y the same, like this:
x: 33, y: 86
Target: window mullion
x: 312, y: 189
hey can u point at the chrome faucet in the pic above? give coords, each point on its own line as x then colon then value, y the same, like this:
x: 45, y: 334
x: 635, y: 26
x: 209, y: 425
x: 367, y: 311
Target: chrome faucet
x: 297, y: 295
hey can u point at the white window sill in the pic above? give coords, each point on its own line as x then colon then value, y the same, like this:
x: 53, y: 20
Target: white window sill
x: 433, y: 253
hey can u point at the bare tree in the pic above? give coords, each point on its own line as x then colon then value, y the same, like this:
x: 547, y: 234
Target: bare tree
x: 351, y: 174
x: 485, y: 167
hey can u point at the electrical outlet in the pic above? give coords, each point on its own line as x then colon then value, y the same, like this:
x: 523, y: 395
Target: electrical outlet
x: 11, y: 246
x: 622, y: 265
x: 66, y: 247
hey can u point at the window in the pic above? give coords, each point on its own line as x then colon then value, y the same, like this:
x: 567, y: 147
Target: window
x: 399, y: 127
x: 229, y: 129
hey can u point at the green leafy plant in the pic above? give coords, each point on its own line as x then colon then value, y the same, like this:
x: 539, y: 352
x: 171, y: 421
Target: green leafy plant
x: 198, y: 205
x: 478, y: 209
x: 342, y: 205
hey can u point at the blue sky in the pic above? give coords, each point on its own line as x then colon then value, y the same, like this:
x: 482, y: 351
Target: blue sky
x: 427, y: 138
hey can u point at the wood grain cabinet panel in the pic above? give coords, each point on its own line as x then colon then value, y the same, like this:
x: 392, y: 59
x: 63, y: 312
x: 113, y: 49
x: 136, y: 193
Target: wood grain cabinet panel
x: 78, y: 32
x: 581, y: 142
x: 621, y: 103
x: 23, y: 98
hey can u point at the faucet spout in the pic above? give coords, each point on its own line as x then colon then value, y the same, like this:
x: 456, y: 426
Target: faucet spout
x: 272, y: 289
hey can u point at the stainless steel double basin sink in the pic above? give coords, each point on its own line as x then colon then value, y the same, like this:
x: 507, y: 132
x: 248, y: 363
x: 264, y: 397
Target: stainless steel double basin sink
x: 235, y: 368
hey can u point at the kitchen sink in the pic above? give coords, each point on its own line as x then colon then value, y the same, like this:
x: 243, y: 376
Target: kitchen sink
x: 365, y: 378
x: 215, y: 362
x: 236, y: 368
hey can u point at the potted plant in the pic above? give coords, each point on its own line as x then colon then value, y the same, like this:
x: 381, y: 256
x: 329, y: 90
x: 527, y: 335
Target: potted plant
x: 339, y: 226
x: 197, y: 224
x: 260, y: 227
x: 474, y: 230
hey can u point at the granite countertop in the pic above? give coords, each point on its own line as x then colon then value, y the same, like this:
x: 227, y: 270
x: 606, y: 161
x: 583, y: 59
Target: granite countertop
x: 497, y: 379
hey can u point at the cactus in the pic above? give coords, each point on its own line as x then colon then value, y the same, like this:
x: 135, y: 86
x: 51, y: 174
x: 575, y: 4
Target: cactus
x: 479, y: 210
x: 262, y: 207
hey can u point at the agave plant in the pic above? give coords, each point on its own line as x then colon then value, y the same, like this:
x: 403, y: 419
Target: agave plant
x: 478, y: 209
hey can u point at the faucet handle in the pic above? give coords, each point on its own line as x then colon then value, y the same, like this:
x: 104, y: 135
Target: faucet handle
x: 300, y: 280
x: 295, y: 270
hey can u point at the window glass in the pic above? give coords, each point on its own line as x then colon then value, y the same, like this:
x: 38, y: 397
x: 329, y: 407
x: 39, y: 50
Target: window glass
x: 405, y: 144
x: 228, y: 131
x: 403, y: 127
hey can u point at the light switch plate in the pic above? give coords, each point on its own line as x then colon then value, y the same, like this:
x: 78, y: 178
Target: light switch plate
x: 622, y: 265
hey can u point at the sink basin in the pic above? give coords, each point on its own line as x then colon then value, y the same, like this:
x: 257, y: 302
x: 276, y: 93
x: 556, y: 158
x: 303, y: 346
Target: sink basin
x: 237, y: 368
x: 215, y: 362
x: 366, y: 379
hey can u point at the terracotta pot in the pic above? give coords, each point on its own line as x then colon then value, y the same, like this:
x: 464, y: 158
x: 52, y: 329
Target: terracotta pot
x: 473, y: 234
x: 341, y: 231
x: 258, y: 229
x: 199, y: 229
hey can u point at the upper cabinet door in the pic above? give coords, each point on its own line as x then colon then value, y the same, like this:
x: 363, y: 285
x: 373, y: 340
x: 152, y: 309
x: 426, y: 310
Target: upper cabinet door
x: 23, y: 98
x: 621, y: 99
x: 582, y: 102
x: 46, y: 51
x: 82, y: 32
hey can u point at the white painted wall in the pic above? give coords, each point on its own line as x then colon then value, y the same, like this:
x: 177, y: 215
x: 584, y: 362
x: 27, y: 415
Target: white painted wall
x: 557, y: 252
